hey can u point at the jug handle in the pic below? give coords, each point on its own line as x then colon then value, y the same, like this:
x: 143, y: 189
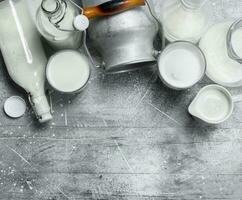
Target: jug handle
x: 231, y: 52
x: 111, y: 7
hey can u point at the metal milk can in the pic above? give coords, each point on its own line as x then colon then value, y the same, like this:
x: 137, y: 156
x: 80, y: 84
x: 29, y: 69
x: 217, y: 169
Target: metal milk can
x: 124, y: 40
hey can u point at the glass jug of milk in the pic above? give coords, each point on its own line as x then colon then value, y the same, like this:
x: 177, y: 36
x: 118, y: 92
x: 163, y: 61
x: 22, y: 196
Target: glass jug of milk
x: 185, y: 19
x: 23, y: 54
x: 222, y: 67
x: 54, y: 21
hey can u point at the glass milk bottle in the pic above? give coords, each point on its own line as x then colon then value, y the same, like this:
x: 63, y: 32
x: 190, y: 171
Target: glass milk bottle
x: 23, y: 54
x: 55, y: 23
x: 185, y: 19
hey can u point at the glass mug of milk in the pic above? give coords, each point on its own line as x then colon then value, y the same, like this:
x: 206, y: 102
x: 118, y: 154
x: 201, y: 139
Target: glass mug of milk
x: 213, y: 104
x: 68, y: 71
x: 181, y: 65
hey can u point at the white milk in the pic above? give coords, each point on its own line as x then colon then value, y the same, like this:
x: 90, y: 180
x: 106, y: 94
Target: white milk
x: 213, y: 104
x: 23, y: 53
x: 68, y: 71
x: 220, y: 67
x: 33, y: 7
x: 57, y: 38
x: 182, y: 23
x: 181, y: 65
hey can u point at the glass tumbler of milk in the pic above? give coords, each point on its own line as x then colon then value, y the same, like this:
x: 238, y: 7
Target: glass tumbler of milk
x: 54, y: 21
x: 23, y: 53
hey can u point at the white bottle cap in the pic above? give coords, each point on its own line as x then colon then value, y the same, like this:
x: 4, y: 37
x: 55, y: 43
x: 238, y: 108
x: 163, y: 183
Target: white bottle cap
x: 15, y: 107
x: 81, y: 22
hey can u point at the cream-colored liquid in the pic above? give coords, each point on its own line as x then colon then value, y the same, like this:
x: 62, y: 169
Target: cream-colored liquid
x: 184, y: 24
x: 212, y: 105
x: 20, y: 45
x: 181, y: 65
x: 57, y: 38
x: 220, y: 67
x: 68, y: 71
x: 23, y: 52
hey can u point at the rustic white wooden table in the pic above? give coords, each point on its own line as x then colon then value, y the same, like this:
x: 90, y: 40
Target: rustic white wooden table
x: 125, y: 137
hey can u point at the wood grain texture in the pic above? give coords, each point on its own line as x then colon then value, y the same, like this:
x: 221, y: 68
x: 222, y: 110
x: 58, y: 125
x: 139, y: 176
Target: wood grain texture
x: 126, y: 137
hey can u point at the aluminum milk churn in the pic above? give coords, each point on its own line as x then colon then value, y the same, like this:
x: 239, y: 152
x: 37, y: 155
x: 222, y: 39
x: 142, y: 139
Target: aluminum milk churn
x: 124, y: 40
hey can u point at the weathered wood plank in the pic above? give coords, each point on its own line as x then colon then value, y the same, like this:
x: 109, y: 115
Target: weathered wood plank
x: 122, y: 169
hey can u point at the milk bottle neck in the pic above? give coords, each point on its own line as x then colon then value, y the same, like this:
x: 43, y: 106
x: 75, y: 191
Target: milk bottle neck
x: 192, y: 4
x: 41, y: 107
x: 54, y: 9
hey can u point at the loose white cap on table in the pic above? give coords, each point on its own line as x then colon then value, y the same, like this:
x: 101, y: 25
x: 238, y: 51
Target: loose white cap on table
x: 15, y: 107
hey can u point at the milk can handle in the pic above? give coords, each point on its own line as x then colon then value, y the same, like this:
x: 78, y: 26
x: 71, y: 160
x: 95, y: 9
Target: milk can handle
x: 111, y: 7
x: 231, y: 52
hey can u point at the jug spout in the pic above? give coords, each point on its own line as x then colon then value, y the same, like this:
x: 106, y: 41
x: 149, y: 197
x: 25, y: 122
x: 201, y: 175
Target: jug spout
x: 192, y: 111
x: 41, y: 108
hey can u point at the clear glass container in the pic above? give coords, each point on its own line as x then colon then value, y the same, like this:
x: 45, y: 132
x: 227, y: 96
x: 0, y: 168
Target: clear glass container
x: 221, y: 45
x: 54, y: 21
x: 234, y: 40
x: 185, y: 19
x: 23, y: 54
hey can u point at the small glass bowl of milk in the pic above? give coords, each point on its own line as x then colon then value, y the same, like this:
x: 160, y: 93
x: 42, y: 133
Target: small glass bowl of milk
x: 213, y: 104
x: 181, y: 65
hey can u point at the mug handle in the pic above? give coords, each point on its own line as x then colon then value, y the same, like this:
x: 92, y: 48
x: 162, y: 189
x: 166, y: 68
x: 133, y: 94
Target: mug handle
x: 111, y: 7
x: 231, y: 52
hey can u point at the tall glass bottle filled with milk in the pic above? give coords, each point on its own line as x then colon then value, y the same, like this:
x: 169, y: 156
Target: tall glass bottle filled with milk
x: 55, y: 23
x: 23, y: 54
x: 185, y: 19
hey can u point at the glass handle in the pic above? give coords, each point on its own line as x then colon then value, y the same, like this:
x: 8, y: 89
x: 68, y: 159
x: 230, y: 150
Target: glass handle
x: 231, y: 52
